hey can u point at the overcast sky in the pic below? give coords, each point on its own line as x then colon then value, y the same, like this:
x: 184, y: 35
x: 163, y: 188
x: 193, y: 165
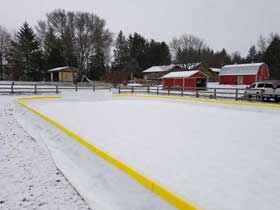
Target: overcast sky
x: 233, y: 24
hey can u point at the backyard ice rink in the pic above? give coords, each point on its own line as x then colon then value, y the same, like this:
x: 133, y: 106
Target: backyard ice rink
x: 219, y: 156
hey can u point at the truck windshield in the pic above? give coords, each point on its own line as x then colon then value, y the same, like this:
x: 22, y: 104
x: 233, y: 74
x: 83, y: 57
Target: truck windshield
x: 252, y: 86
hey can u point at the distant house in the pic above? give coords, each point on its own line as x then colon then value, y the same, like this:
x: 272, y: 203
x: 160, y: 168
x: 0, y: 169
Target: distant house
x: 64, y: 74
x: 243, y: 74
x: 156, y: 72
x: 188, y: 80
x: 217, y: 72
x: 212, y: 75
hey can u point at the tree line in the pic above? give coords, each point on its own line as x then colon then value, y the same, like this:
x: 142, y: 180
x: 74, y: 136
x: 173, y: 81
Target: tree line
x: 82, y: 40
x: 191, y: 49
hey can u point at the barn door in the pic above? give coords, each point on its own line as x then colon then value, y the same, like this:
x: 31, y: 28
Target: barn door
x: 240, y: 80
x: 201, y: 83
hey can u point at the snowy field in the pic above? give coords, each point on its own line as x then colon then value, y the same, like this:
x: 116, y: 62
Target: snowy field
x: 221, y: 157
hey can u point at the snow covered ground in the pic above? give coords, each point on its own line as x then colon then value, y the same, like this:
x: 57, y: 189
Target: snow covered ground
x: 217, y: 85
x: 221, y: 157
x: 29, y: 178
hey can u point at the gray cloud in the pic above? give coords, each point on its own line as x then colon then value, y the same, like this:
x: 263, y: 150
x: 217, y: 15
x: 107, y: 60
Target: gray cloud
x: 233, y: 24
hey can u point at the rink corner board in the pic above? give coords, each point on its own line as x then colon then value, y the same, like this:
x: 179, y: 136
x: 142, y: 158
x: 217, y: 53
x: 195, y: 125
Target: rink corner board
x: 172, y: 198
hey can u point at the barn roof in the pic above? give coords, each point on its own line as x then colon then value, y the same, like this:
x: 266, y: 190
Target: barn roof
x: 241, y: 69
x: 155, y: 69
x: 180, y: 74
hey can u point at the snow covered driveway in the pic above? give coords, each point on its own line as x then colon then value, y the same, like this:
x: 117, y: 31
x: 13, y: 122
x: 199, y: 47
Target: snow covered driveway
x: 28, y: 177
x: 219, y: 157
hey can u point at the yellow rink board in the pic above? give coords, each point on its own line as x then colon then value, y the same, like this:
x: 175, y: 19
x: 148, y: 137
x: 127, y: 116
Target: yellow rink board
x: 200, y: 100
x: 172, y: 198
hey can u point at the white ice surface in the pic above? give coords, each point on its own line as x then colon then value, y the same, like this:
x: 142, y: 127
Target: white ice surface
x: 220, y: 157
x: 102, y: 185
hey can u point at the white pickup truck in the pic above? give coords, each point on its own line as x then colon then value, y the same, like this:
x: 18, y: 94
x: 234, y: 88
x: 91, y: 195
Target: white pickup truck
x: 263, y: 90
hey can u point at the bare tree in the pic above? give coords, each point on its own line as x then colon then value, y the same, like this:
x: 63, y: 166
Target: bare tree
x: 5, y: 39
x: 188, y: 48
x: 271, y: 37
x: 262, y: 44
x: 81, y: 34
x: 90, y: 34
x: 188, y: 41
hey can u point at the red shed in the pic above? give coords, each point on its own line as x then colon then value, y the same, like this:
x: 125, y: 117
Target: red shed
x: 185, y: 79
x: 244, y: 74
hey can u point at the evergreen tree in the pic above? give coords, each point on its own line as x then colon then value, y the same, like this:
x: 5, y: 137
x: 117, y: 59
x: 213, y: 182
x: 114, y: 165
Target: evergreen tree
x: 236, y: 58
x: 226, y: 58
x: 97, y: 65
x: 121, y: 52
x: 53, y: 51
x: 137, y: 48
x: 157, y: 53
x: 215, y: 60
x: 272, y: 58
x: 25, y: 55
x: 252, y: 55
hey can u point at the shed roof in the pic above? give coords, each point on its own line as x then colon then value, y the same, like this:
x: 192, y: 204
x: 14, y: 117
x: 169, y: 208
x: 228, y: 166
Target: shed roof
x: 155, y: 69
x: 63, y: 68
x: 180, y: 74
x: 241, y: 69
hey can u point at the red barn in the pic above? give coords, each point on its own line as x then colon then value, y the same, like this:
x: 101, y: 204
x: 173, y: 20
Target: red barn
x: 243, y: 74
x: 185, y: 79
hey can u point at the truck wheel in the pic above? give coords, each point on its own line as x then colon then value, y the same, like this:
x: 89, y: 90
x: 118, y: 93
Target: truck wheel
x: 258, y: 96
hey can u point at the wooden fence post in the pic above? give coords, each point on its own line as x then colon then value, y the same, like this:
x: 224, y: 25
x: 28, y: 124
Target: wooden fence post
x: 236, y: 94
x: 132, y: 89
x: 12, y: 87
x: 215, y: 93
